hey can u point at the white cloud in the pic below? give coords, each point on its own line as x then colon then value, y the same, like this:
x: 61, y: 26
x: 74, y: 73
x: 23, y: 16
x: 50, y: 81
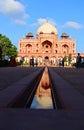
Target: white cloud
x: 13, y: 9
x: 40, y: 21
x: 20, y: 22
x: 72, y: 24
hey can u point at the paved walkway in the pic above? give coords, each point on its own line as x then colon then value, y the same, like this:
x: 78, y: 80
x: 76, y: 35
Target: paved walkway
x: 66, y: 91
x: 25, y: 119
x: 19, y: 80
x: 73, y: 76
x: 10, y: 75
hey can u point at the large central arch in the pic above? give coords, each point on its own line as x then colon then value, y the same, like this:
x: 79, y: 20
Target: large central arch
x: 47, y: 46
x: 46, y: 42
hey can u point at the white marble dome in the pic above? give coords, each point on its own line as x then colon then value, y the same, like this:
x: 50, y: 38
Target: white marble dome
x: 47, y: 28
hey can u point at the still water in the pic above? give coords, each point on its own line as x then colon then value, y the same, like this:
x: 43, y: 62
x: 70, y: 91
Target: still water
x: 42, y: 98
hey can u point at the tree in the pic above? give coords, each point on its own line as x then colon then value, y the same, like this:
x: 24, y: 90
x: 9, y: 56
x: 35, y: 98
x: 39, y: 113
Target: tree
x: 65, y: 58
x: 69, y: 59
x: 7, y: 47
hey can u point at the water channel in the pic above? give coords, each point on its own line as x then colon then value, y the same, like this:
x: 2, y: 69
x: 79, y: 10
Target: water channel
x: 43, y: 96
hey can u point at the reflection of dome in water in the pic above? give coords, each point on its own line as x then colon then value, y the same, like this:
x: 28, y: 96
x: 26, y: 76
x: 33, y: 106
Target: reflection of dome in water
x: 45, y: 85
x: 44, y: 101
x: 45, y: 82
x: 47, y: 28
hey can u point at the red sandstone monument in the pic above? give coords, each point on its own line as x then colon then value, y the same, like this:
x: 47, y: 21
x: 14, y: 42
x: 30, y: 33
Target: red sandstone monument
x: 47, y: 47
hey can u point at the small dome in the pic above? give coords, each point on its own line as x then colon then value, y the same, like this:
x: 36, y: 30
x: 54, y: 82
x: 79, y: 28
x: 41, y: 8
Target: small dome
x: 64, y: 35
x: 29, y: 34
x: 47, y: 28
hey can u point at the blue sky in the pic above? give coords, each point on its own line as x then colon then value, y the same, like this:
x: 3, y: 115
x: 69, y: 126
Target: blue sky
x: 19, y: 17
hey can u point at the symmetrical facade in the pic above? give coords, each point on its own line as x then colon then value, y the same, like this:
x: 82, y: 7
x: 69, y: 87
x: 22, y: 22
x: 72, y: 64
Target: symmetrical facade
x: 46, y: 47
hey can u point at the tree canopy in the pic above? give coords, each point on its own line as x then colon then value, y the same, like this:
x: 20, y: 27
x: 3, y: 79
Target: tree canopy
x: 7, y: 47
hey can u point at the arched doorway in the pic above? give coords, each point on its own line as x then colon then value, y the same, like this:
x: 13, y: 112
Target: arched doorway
x: 65, y: 49
x: 46, y: 60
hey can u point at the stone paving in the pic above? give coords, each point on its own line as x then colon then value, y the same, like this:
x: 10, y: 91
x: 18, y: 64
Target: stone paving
x: 10, y: 75
x: 19, y: 80
x: 68, y: 97
x: 73, y: 76
x: 26, y: 119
